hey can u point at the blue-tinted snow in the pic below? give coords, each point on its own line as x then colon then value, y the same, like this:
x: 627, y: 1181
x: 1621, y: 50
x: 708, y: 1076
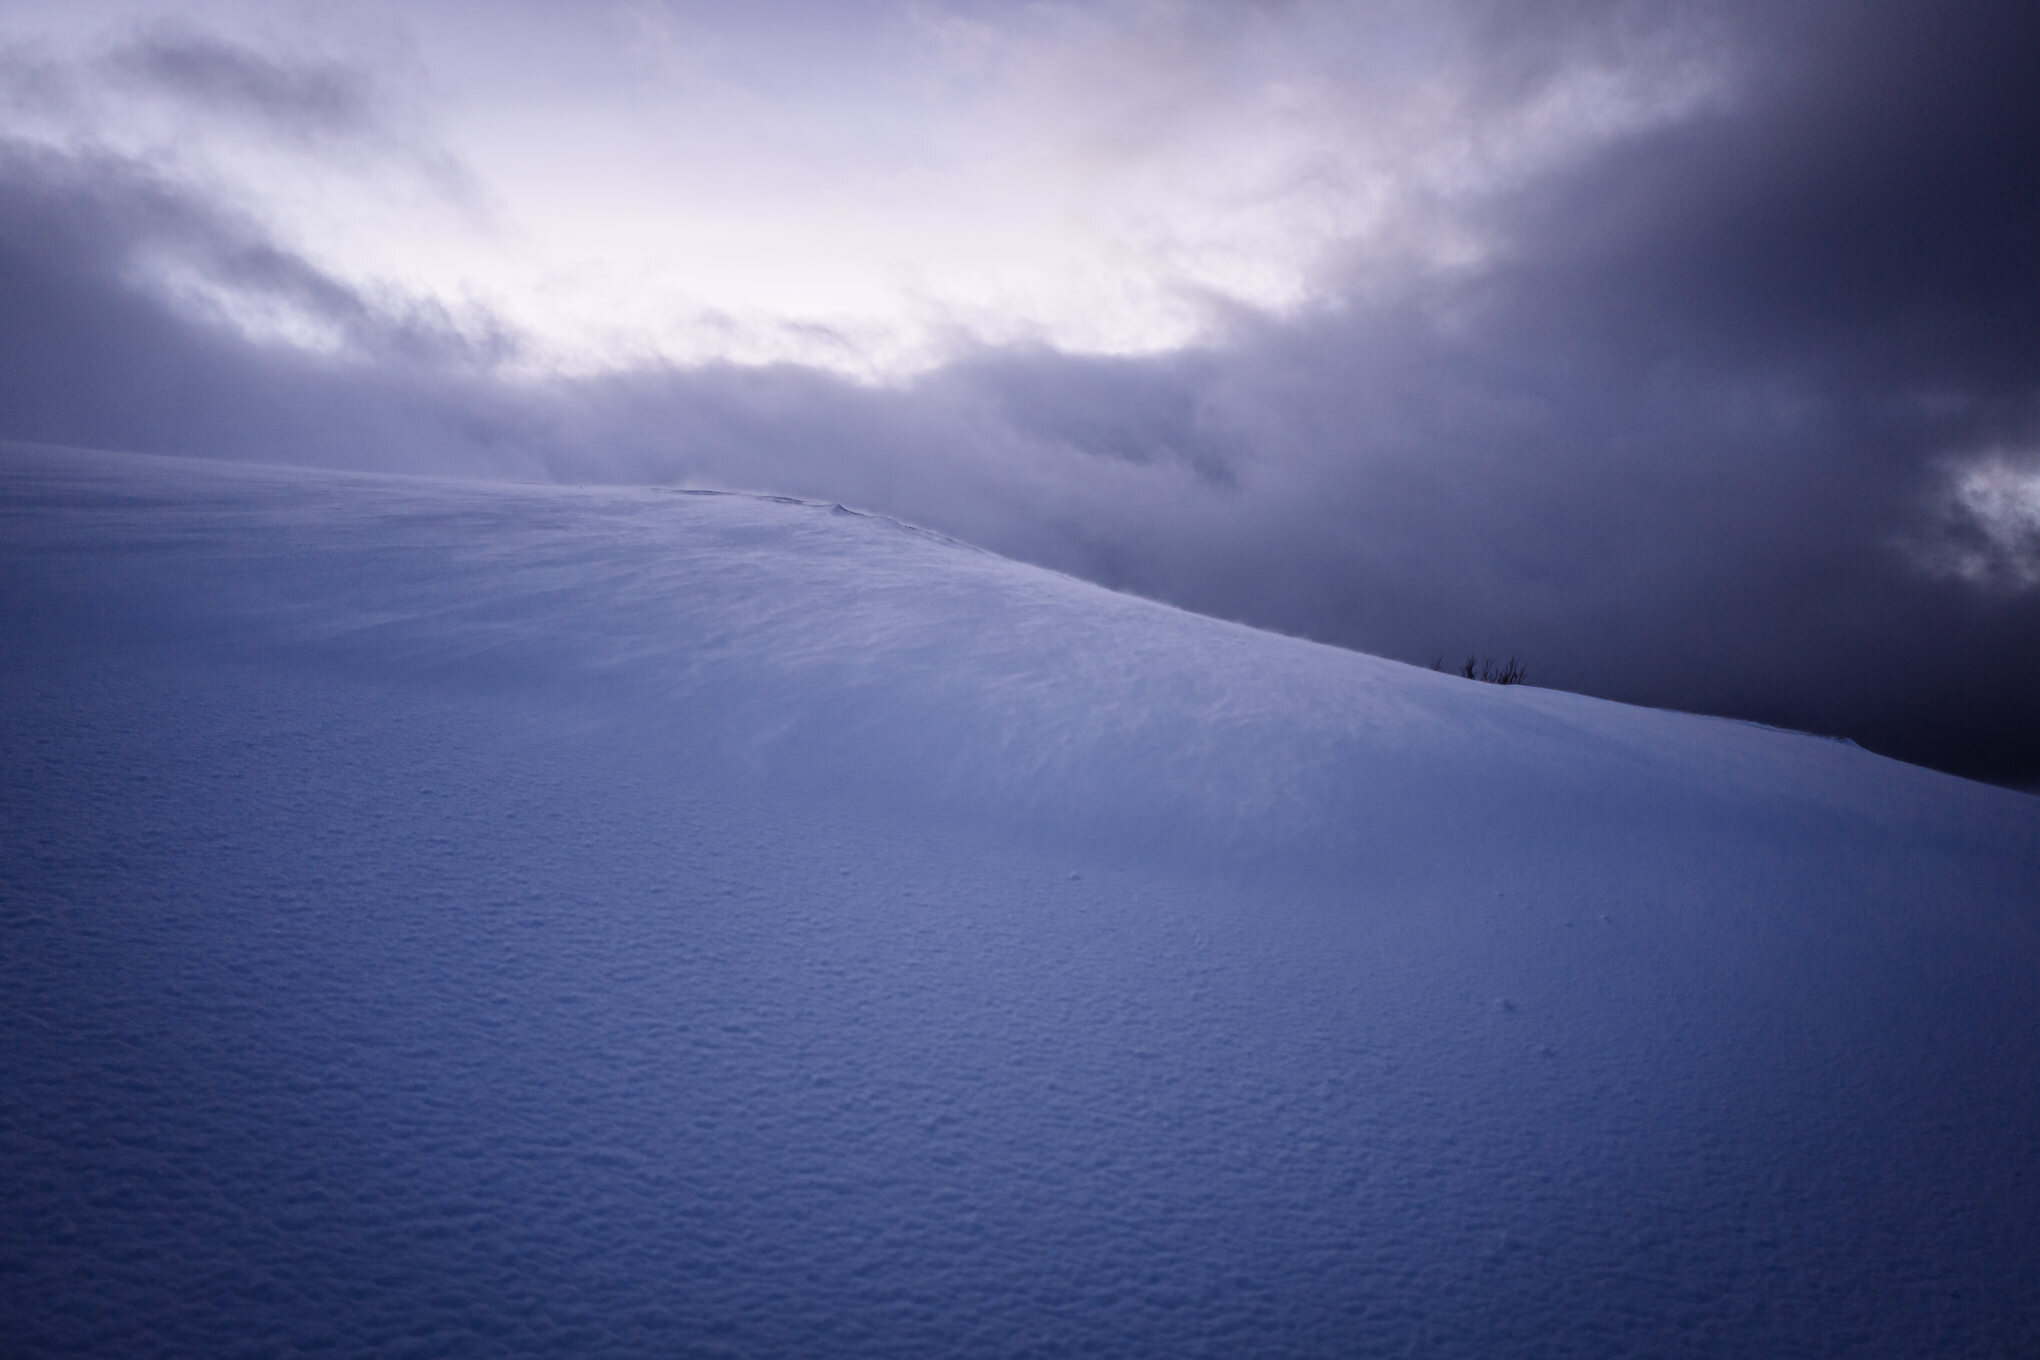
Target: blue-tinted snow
x: 445, y: 920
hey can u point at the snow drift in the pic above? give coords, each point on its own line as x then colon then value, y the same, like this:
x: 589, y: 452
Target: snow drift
x: 446, y: 919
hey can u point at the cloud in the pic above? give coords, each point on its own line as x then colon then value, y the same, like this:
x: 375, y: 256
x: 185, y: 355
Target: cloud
x: 1680, y: 435
x: 306, y: 99
x: 260, y: 123
x: 1988, y: 529
x: 126, y: 325
x: 33, y: 84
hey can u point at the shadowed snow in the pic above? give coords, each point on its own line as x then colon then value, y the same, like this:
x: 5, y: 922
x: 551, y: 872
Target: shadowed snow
x: 449, y: 920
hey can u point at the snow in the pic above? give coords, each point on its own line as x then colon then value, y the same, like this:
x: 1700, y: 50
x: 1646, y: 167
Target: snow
x: 440, y: 919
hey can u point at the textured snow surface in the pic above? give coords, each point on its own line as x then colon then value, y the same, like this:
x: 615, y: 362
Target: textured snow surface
x: 450, y: 920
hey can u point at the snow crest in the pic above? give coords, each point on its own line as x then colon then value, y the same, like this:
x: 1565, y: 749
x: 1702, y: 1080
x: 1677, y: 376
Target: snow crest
x: 446, y: 919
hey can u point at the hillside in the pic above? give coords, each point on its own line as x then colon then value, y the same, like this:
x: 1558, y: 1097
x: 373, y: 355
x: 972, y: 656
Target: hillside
x: 448, y: 919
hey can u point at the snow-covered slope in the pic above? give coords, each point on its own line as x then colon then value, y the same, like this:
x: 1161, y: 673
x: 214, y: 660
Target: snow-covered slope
x: 453, y: 920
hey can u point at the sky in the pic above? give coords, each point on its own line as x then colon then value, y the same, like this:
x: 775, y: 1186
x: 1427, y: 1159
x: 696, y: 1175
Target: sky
x: 1689, y: 353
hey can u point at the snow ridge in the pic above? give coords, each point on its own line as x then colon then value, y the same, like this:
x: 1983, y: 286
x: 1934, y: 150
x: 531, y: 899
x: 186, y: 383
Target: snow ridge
x: 446, y: 919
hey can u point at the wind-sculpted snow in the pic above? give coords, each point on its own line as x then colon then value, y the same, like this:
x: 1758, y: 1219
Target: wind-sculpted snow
x: 446, y: 920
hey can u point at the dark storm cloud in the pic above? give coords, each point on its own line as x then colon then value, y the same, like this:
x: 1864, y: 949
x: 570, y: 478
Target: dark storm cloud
x: 306, y: 98
x: 189, y: 86
x: 1694, y: 436
x: 95, y: 348
x: 31, y: 82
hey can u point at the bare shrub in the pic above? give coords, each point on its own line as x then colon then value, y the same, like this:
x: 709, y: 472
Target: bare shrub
x: 1486, y: 669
